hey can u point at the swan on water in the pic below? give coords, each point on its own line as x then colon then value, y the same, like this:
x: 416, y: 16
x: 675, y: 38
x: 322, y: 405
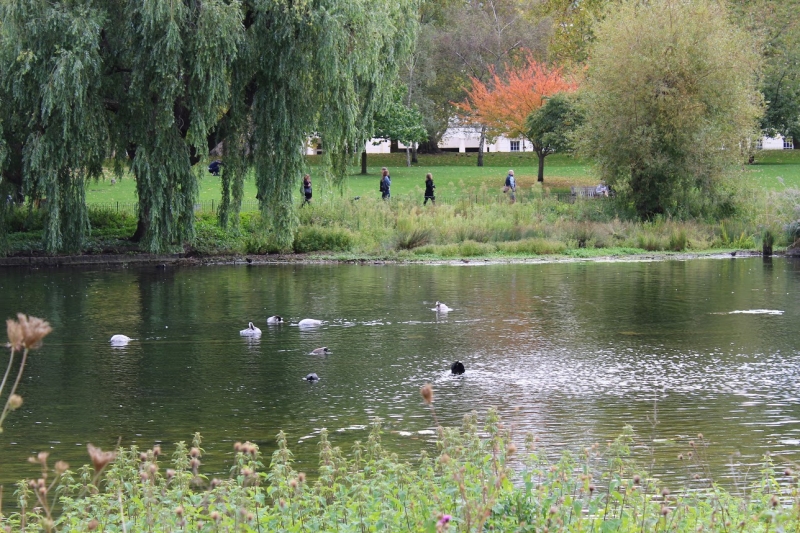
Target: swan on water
x: 320, y: 351
x: 309, y: 322
x: 441, y: 308
x: 275, y: 320
x: 457, y: 368
x: 119, y: 340
x: 251, y: 331
x: 311, y: 377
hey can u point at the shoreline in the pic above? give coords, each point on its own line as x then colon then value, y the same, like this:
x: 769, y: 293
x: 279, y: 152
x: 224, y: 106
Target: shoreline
x: 182, y: 259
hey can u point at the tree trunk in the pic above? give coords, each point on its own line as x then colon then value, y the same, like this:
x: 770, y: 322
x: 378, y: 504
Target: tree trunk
x: 480, y: 146
x: 408, y: 156
x: 414, y: 153
x: 541, y: 155
x: 364, y: 162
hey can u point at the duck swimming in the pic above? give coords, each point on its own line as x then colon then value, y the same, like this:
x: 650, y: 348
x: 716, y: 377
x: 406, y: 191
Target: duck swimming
x: 309, y: 322
x: 441, y: 308
x: 311, y: 377
x: 251, y: 331
x: 275, y: 319
x: 320, y: 351
x: 457, y: 368
x: 119, y: 340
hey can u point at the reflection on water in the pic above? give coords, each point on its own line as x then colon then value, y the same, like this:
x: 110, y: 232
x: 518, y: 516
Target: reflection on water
x: 571, y: 352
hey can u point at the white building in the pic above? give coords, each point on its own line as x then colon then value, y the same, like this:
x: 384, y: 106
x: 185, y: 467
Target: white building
x: 467, y: 139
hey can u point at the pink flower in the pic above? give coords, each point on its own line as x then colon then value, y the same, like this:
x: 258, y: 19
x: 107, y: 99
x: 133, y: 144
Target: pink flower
x: 444, y: 519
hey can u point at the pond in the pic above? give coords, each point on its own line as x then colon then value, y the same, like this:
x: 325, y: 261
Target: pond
x: 571, y: 352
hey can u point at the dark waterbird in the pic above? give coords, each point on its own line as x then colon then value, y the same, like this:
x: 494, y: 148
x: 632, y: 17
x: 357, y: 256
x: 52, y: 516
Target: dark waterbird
x: 457, y: 368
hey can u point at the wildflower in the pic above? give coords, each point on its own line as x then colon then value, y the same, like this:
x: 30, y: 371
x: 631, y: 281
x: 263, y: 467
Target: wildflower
x: 774, y: 501
x: 511, y: 449
x: 215, y: 516
x: 301, y: 477
x: 26, y: 332
x: 216, y: 482
x: 591, y: 489
x: 156, y: 450
x: 427, y: 393
x: 14, y: 402
x: 787, y: 472
x: 41, y: 457
x: 100, y: 459
x: 195, y: 452
x: 664, y: 510
x: 636, y: 480
x: 170, y: 473
x: 179, y: 511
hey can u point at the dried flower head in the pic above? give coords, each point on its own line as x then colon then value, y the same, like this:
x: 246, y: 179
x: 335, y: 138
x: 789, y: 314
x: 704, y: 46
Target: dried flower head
x: 93, y: 524
x: 511, y: 449
x: 427, y: 393
x: 301, y: 477
x: 26, y: 332
x: 14, y: 402
x: 215, y: 516
x: 170, y: 473
x: 61, y: 467
x: 195, y: 452
x: 156, y: 450
x: 100, y: 459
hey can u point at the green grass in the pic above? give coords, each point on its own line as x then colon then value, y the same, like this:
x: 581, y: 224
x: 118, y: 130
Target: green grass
x: 454, y: 175
x: 776, y: 169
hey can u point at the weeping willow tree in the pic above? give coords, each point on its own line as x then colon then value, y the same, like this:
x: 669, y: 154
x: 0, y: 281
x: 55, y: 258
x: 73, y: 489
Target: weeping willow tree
x: 318, y: 68
x: 155, y: 83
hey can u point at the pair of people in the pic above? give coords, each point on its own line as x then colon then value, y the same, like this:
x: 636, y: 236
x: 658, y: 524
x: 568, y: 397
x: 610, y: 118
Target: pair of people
x: 386, y: 183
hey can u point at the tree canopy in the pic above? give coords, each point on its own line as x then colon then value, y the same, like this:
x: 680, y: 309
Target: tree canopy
x: 158, y: 82
x: 671, y: 100
x: 550, y: 128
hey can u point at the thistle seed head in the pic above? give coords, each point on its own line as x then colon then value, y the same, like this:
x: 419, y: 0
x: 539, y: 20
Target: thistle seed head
x: 26, y: 332
x: 14, y: 402
x: 100, y: 459
x: 427, y: 393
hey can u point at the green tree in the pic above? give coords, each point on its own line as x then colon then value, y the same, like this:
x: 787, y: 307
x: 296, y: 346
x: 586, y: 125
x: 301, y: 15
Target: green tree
x: 402, y: 123
x: 550, y: 127
x: 670, y: 99
x: 777, y: 27
x: 159, y: 81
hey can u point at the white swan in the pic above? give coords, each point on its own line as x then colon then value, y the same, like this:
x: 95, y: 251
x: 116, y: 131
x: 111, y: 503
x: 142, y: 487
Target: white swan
x: 309, y: 323
x: 441, y: 308
x: 251, y: 331
x: 119, y: 340
x: 321, y: 351
x: 275, y: 319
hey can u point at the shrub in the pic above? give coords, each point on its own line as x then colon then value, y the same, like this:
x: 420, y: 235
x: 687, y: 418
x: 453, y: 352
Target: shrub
x: 313, y: 239
x: 678, y: 241
x: 532, y: 246
x: 413, y: 238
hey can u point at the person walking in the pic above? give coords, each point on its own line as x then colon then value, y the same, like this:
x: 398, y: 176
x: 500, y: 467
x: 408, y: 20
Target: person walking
x: 511, y: 186
x: 386, y: 183
x: 429, y: 187
x: 306, y: 190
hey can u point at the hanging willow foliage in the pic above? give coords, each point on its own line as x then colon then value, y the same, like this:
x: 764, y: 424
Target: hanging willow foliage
x: 156, y: 83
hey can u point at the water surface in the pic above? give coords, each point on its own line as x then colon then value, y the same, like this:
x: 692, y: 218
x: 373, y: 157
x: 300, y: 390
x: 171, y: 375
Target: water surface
x: 571, y: 352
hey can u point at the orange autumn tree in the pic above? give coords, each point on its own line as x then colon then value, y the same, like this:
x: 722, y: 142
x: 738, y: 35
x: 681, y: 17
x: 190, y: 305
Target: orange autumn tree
x: 504, y: 103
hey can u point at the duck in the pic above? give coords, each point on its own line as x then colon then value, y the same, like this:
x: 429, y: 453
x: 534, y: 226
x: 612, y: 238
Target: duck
x: 251, y: 331
x: 309, y: 323
x: 320, y: 351
x: 275, y: 319
x: 311, y: 377
x: 457, y: 368
x: 119, y: 340
x: 441, y: 308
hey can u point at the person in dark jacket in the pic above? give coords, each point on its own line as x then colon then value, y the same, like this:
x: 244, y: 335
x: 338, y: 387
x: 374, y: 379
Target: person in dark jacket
x: 386, y: 183
x: 429, y: 187
x: 306, y: 190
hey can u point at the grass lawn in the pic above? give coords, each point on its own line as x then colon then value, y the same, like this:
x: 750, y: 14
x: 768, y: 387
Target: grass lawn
x: 776, y: 169
x: 455, y: 175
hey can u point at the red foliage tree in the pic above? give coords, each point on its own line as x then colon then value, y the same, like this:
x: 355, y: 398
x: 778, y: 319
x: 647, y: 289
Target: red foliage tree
x: 504, y: 103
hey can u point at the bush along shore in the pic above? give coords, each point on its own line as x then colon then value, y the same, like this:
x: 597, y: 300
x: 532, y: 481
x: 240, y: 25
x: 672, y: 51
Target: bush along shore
x: 478, y: 480
x: 482, y: 224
